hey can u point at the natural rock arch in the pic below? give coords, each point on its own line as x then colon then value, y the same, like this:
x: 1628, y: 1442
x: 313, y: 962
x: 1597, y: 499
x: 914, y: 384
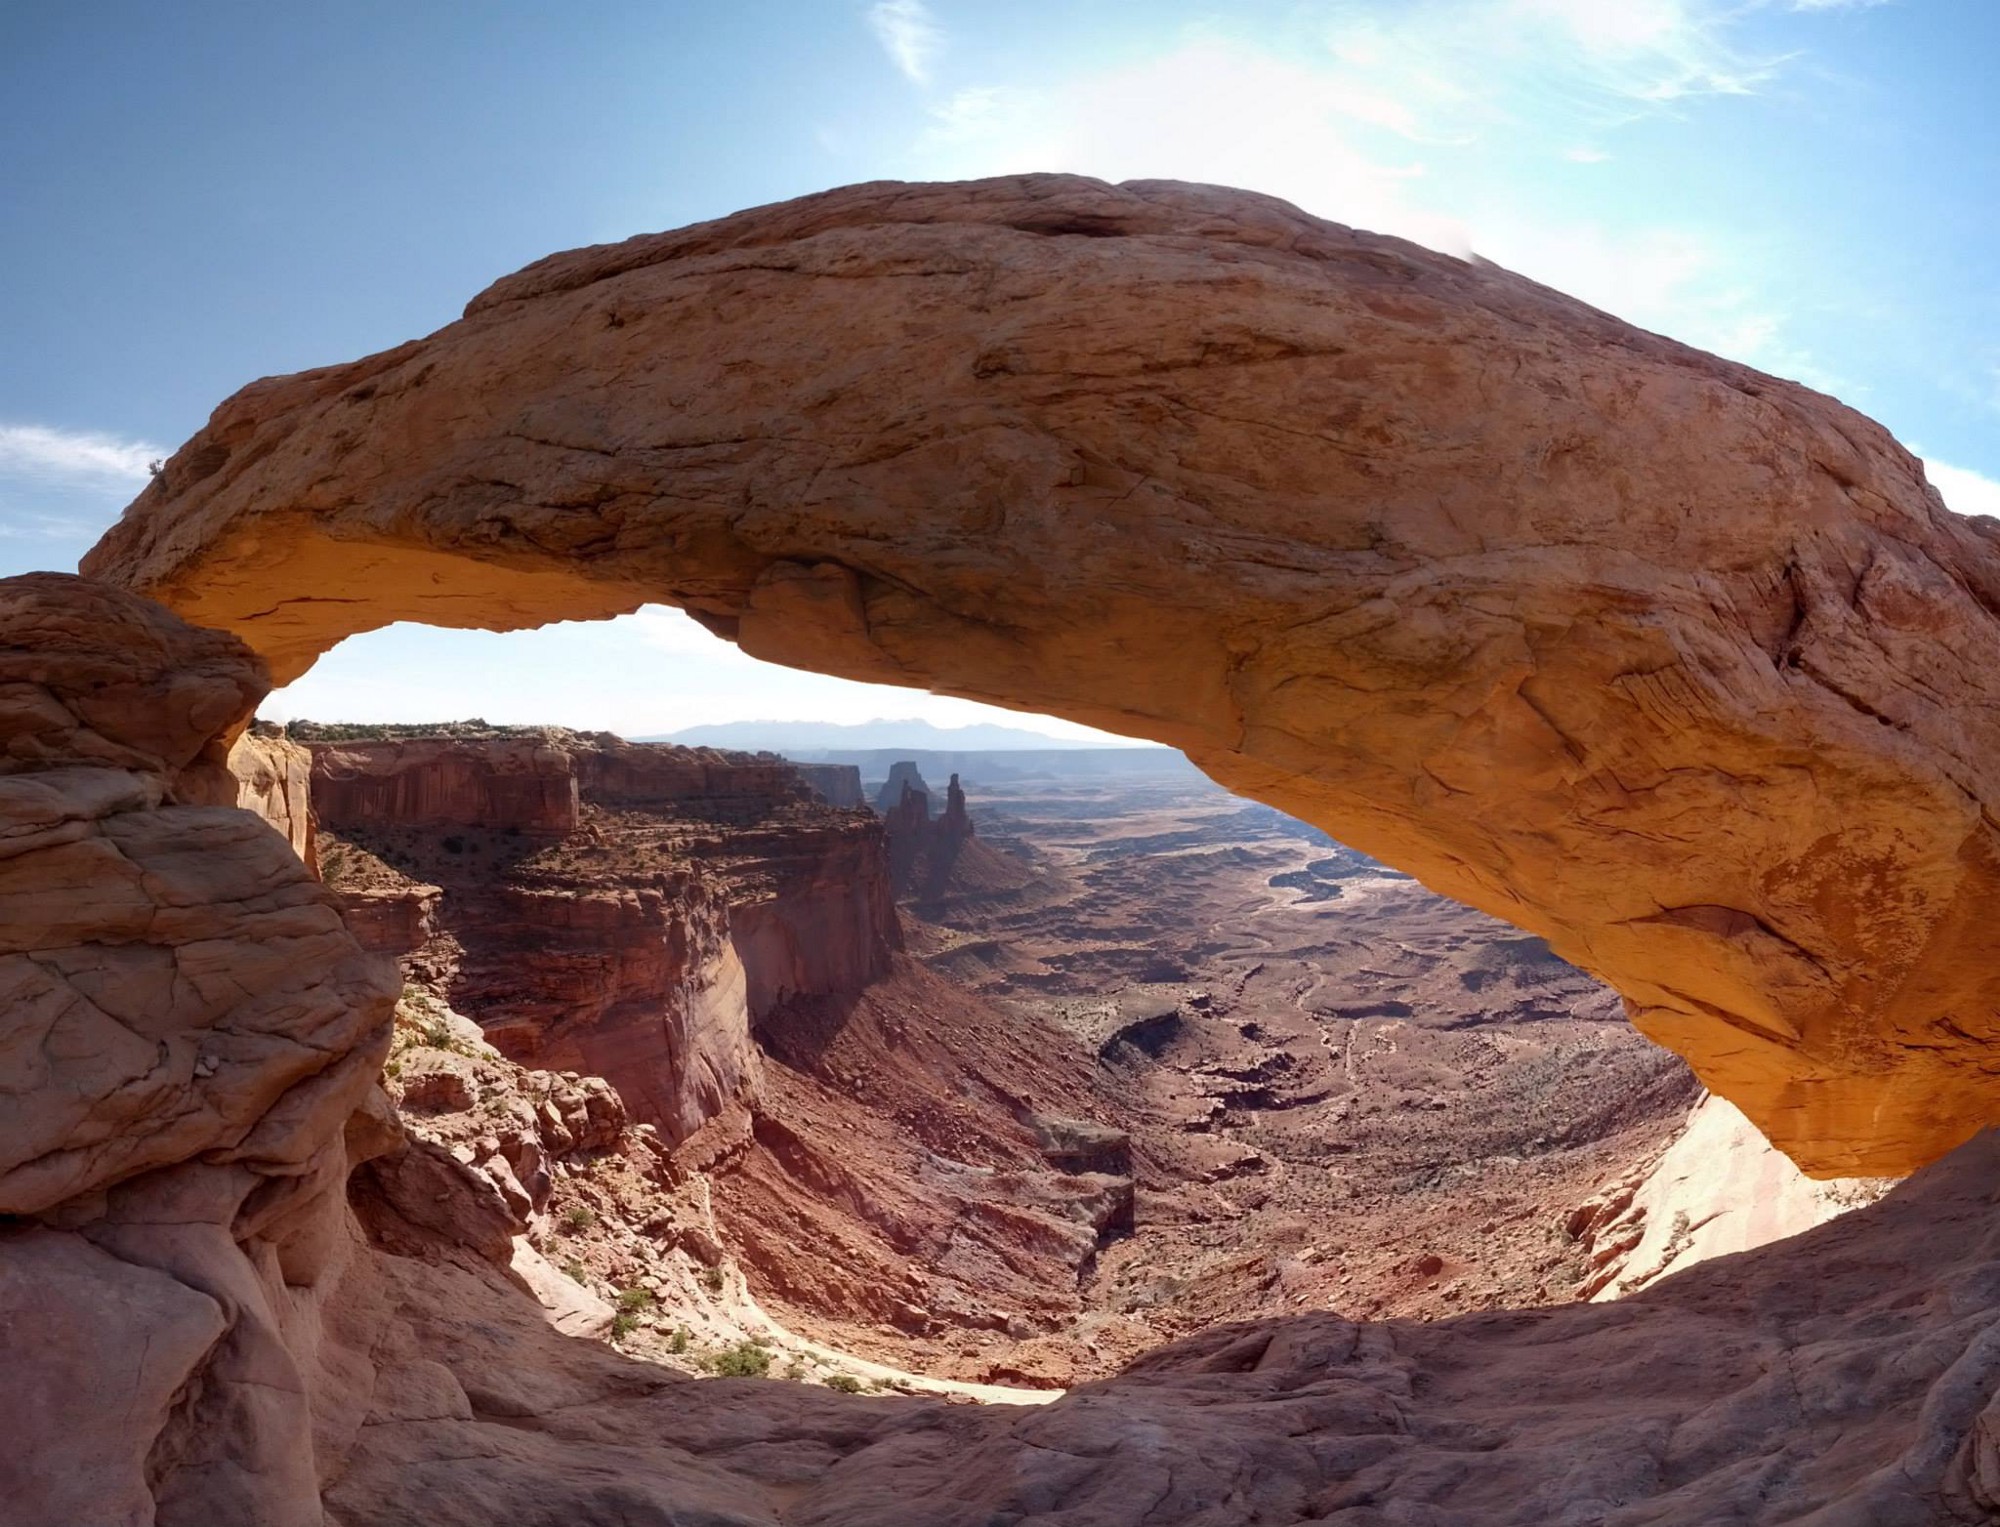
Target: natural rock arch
x: 1679, y: 665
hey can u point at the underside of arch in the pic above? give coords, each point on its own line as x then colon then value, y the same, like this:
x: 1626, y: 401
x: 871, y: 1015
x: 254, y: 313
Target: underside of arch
x: 1679, y: 665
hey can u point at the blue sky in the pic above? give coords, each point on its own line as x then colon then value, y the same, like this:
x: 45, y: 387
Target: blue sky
x: 195, y: 195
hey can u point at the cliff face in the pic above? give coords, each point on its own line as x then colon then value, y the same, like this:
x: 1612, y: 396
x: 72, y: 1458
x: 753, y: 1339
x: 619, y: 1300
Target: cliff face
x: 836, y: 784
x: 932, y: 860
x: 517, y: 783
x: 691, y: 893
x: 904, y: 790
x: 274, y: 779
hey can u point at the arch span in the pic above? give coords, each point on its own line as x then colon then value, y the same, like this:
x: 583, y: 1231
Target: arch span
x: 1679, y: 665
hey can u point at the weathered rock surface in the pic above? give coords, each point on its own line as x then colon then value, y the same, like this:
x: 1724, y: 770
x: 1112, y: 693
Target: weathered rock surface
x: 1719, y: 1188
x: 188, y: 1030
x: 274, y: 779
x: 1679, y: 665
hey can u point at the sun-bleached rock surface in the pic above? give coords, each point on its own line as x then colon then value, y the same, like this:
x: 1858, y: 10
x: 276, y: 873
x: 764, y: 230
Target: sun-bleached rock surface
x: 1718, y: 1188
x: 1682, y: 666
x: 274, y: 779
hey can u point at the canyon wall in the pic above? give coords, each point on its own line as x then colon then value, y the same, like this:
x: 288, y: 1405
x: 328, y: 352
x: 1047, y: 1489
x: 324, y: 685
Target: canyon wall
x: 636, y: 933
x: 1681, y: 666
x: 519, y: 783
x: 274, y: 779
x: 836, y: 784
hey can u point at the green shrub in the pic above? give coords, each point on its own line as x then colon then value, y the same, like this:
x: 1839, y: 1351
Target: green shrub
x: 712, y: 1280
x: 623, y: 1324
x: 574, y: 1270
x: 846, y: 1383
x: 678, y: 1342
x: 633, y: 1300
x: 578, y: 1217
x: 745, y: 1360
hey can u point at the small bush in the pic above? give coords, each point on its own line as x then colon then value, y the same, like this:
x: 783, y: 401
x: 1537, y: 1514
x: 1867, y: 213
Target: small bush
x: 678, y: 1342
x: 745, y: 1360
x: 712, y: 1280
x: 578, y: 1217
x: 846, y: 1383
x: 633, y: 1300
x: 623, y: 1325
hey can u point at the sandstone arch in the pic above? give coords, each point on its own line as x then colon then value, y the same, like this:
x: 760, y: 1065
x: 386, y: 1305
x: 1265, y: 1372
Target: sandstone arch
x: 1679, y: 665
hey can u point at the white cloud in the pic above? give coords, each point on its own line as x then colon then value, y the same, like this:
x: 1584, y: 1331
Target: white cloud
x: 60, y: 488
x: 909, y: 36
x: 38, y: 453
x: 644, y: 674
x: 1213, y: 109
x: 1404, y: 119
x: 1964, y: 490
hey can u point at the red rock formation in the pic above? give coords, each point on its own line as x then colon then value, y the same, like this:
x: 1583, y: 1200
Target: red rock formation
x: 934, y: 859
x: 192, y: 1333
x: 695, y: 891
x: 904, y: 790
x: 1680, y: 666
x: 522, y: 783
x: 188, y: 1030
x: 274, y: 779
x: 836, y: 784
x: 1847, y: 1378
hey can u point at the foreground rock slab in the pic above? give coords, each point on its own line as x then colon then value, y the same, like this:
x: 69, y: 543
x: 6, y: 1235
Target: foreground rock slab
x: 1683, y: 667
x: 186, y: 1031
x: 1843, y: 1379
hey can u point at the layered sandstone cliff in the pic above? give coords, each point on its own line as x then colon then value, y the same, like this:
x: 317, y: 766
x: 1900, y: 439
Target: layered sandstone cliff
x: 622, y: 910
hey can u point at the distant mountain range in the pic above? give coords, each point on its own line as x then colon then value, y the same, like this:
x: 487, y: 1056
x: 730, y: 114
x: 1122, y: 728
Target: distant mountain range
x: 801, y: 738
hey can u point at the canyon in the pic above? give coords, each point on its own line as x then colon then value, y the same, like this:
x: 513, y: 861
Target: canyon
x: 1677, y: 668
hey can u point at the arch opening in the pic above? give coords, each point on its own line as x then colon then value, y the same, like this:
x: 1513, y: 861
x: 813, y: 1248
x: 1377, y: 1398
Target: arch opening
x: 1652, y: 655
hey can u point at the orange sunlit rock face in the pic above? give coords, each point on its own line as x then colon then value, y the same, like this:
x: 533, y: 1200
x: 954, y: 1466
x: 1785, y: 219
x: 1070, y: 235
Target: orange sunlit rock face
x: 1679, y: 665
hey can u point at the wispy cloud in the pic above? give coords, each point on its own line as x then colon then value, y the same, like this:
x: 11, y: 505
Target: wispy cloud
x: 1964, y: 490
x: 59, y: 489
x: 908, y: 34
x: 1402, y: 118
x: 73, y: 457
